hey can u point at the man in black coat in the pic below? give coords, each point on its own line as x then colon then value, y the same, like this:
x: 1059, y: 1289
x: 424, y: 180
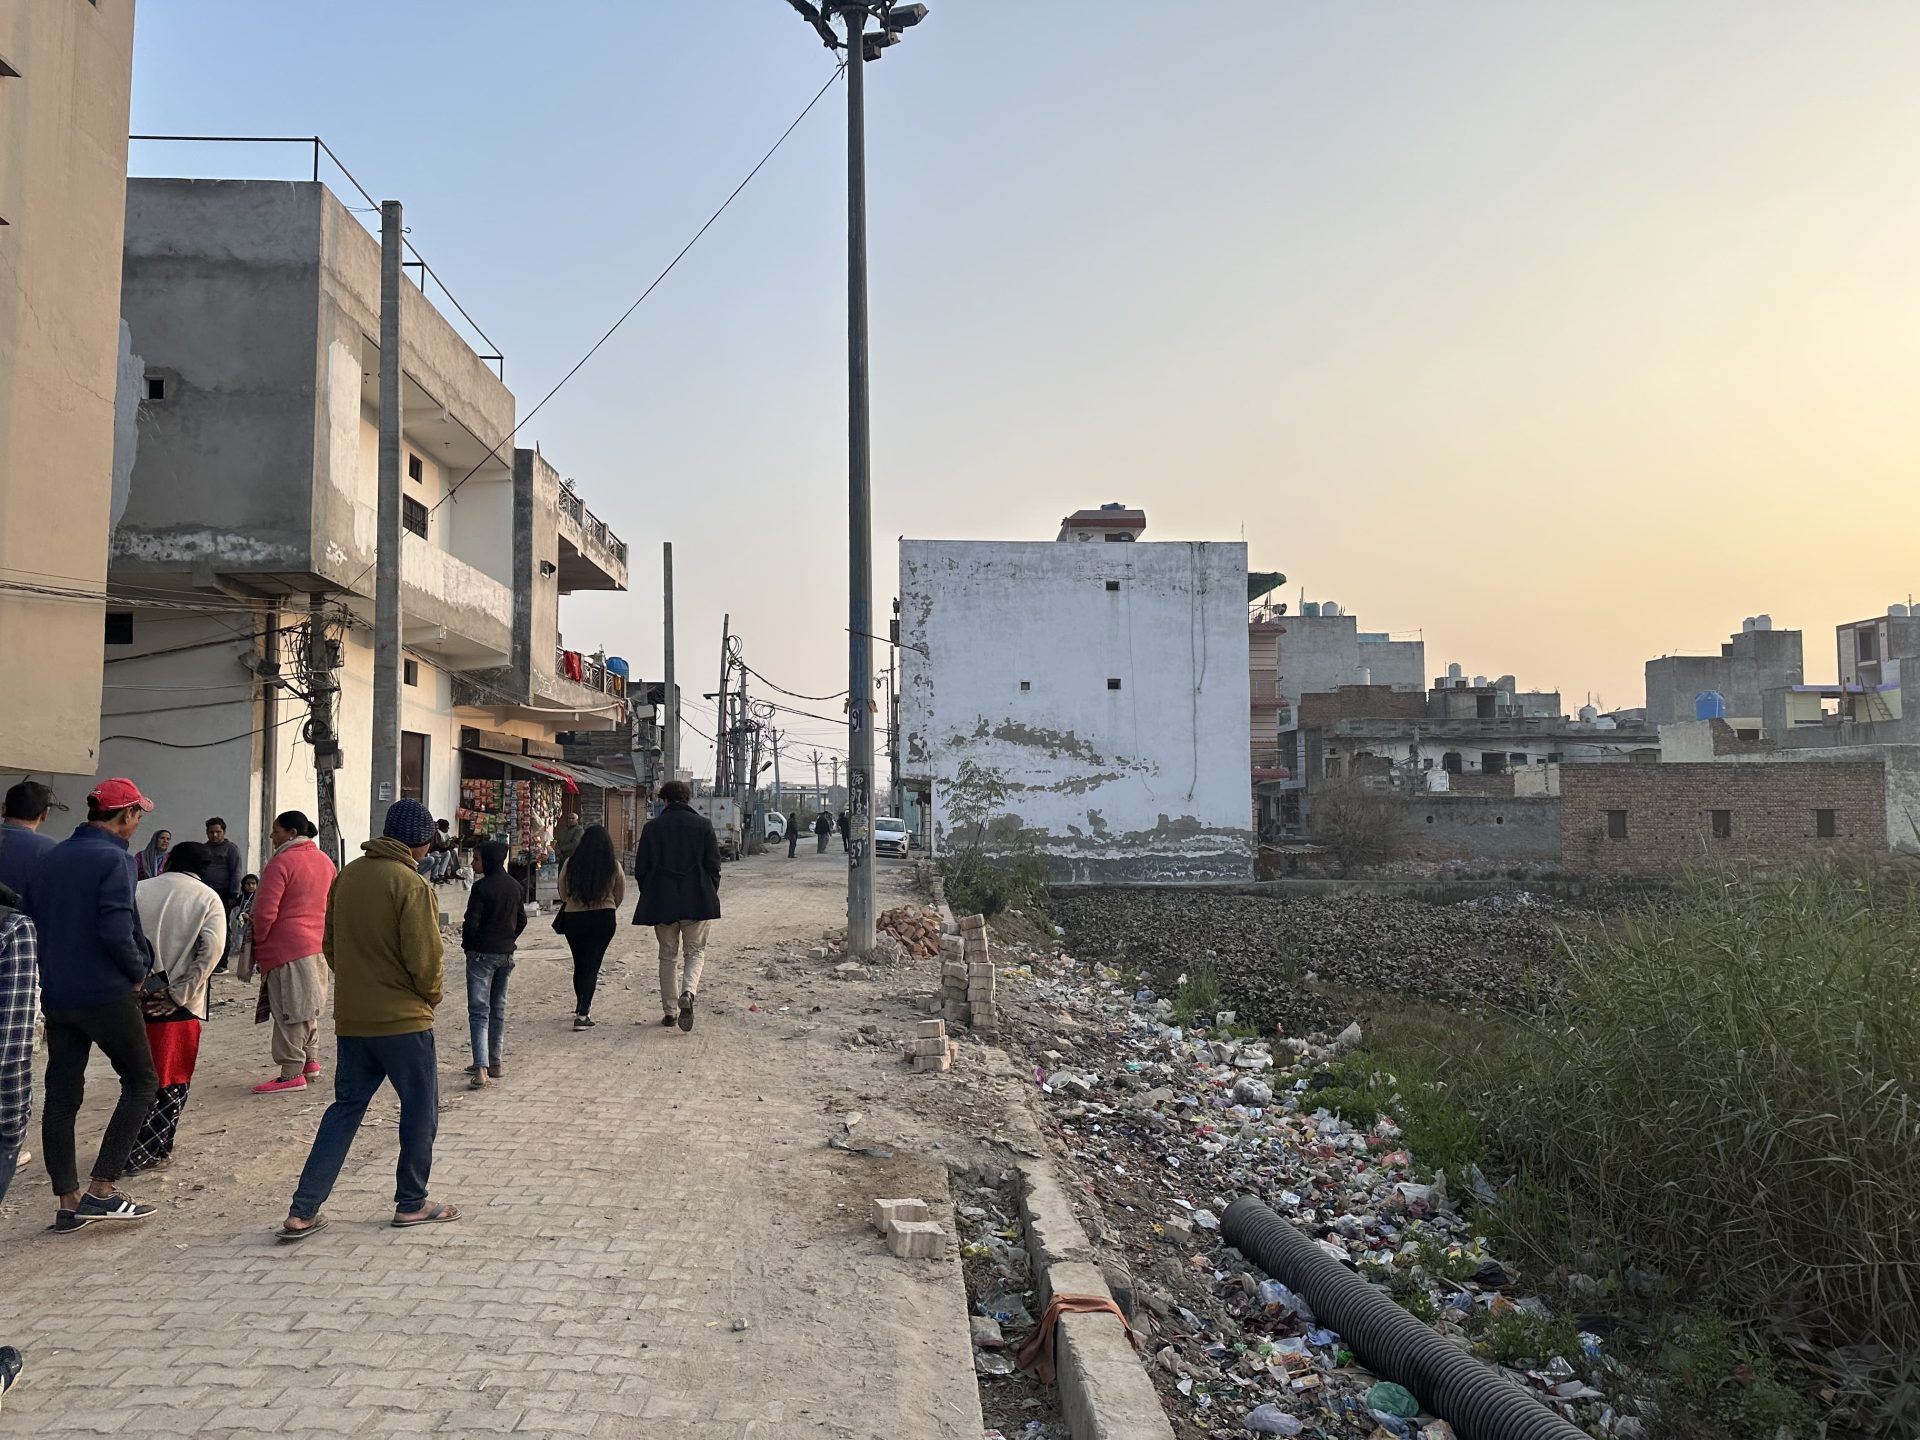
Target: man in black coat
x: 677, y: 871
x: 846, y: 831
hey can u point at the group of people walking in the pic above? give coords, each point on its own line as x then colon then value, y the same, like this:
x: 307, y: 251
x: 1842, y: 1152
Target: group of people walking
x: 824, y: 824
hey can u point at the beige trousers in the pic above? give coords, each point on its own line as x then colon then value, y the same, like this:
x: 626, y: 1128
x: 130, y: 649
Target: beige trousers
x: 694, y: 935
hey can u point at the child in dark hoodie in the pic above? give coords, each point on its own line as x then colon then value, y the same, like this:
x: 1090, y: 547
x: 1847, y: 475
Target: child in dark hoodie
x: 496, y: 914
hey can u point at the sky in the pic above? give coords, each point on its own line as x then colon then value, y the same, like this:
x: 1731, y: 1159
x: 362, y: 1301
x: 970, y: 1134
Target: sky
x: 1563, y: 335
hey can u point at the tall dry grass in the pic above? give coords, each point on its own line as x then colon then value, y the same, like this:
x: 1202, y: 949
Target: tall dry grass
x: 1731, y: 1096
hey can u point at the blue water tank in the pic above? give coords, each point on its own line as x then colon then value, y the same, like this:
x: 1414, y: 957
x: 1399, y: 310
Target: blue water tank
x: 1709, y: 705
x: 1311, y: 609
x: 617, y: 666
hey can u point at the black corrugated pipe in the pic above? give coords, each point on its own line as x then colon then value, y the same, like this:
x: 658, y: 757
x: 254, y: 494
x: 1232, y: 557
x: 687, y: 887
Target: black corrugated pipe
x: 1476, y: 1399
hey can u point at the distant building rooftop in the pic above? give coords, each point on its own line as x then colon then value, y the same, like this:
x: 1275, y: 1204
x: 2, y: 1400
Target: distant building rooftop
x: 1109, y: 522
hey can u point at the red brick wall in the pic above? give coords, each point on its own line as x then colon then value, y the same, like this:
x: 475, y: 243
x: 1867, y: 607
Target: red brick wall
x: 1363, y: 702
x: 1669, y: 812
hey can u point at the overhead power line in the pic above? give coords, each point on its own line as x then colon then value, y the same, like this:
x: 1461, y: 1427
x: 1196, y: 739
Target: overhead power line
x: 494, y: 452
x: 795, y: 694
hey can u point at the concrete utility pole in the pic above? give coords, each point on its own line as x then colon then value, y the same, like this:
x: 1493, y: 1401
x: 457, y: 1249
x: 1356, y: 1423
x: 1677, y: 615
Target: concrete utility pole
x: 384, y: 752
x: 816, y: 780
x: 860, y: 907
x: 721, y: 750
x: 321, y: 688
x: 670, y: 716
x: 774, y: 736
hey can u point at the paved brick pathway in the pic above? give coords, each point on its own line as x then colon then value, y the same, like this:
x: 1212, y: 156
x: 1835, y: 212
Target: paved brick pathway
x: 629, y: 1192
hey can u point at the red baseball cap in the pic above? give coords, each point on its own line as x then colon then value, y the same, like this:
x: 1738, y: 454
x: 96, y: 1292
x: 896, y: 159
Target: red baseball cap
x: 117, y: 795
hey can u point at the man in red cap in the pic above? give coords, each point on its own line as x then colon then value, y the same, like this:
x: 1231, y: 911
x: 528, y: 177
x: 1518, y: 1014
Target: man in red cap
x: 93, y: 960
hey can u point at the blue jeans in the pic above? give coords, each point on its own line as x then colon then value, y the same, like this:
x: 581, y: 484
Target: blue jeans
x: 9, y: 1162
x: 487, y: 1003
x: 361, y: 1063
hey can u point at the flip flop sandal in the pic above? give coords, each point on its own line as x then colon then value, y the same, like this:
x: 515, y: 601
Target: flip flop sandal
x: 287, y: 1237
x: 436, y: 1215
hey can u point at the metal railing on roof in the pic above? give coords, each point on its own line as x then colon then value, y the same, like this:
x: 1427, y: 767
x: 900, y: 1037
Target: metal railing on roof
x: 592, y: 526
x: 594, y: 673
x: 320, y: 148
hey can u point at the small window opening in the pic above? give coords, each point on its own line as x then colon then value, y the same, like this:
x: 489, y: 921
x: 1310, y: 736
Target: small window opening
x: 1616, y: 824
x: 1823, y: 822
x: 1026, y: 684
x: 409, y: 672
x: 415, y: 470
x: 1113, y: 683
x: 1722, y: 824
x: 156, y: 387
x: 119, y: 627
x: 413, y: 515
x: 1113, y: 585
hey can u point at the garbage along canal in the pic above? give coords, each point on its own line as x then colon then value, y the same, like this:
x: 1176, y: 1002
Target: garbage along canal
x: 1162, y: 1124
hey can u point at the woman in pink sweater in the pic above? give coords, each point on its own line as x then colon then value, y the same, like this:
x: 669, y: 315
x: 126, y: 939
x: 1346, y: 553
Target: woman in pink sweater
x: 289, y: 916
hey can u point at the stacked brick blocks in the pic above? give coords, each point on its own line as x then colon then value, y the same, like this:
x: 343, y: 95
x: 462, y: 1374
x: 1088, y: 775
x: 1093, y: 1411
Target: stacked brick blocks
x: 967, y: 987
x: 930, y: 1048
x: 910, y: 1230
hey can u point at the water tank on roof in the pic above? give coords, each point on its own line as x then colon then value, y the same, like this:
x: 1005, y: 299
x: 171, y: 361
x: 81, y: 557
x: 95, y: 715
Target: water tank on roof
x: 1311, y: 609
x: 1327, y: 607
x: 617, y: 666
x: 1479, y: 682
x: 1454, y: 672
x: 1709, y: 705
x: 1746, y: 626
x: 1899, y: 612
x: 1763, y: 622
x: 1606, y: 722
x: 1588, y: 714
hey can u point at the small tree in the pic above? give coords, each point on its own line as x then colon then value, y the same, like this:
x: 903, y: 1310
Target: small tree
x: 973, y: 795
x: 1360, y: 827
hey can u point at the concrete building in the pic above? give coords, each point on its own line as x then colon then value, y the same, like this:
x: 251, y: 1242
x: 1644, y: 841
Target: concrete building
x: 1757, y: 659
x: 1106, y: 688
x: 65, y: 78
x: 253, y: 307
x: 1112, y: 522
x: 1448, y: 741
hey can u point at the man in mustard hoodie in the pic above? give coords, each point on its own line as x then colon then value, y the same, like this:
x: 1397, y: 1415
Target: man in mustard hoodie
x: 382, y: 942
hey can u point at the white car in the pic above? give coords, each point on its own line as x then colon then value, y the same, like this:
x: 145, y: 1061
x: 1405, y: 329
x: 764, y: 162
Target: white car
x: 776, y: 827
x: 891, y: 836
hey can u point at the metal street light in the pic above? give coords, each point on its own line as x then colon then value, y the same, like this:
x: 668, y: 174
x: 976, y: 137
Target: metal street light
x: 860, y: 47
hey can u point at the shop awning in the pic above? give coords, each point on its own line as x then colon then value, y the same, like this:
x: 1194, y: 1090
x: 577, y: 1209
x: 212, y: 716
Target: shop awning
x: 569, y: 775
x: 606, y: 779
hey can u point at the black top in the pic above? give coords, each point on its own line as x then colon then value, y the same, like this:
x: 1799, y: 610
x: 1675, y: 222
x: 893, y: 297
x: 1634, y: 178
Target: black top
x: 495, y: 915
x: 677, y: 869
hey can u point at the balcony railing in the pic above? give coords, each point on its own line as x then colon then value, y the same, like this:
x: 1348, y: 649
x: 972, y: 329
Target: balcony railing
x: 591, y: 525
x: 594, y: 673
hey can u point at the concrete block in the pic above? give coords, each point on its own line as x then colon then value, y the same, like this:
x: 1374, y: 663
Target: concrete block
x: 973, y: 924
x: 886, y: 1212
x: 952, y: 946
x: 958, y: 1012
x: 940, y: 1063
x: 917, y: 1240
x: 937, y: 1045
x: 929, y: 1030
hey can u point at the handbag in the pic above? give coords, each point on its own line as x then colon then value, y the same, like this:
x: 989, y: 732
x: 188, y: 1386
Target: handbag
x: 560, y: 919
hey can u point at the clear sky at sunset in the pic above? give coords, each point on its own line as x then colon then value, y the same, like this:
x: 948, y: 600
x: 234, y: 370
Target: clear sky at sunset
x: 1567, y: 334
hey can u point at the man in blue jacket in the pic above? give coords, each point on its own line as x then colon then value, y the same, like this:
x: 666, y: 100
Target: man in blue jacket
x: 92, y: 964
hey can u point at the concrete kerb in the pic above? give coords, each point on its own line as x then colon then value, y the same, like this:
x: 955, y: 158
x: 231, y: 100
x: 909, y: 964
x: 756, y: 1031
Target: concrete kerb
x: 1104, y: 1392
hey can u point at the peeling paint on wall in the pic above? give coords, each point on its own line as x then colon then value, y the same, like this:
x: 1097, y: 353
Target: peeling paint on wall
x: 1115, y: 718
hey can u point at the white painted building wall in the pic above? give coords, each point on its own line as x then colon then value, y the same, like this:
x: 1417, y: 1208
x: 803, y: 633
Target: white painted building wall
x: 1008, y: 654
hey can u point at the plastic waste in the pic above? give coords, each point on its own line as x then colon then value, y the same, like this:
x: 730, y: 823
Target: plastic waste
x: 1271, y: 1420
x: 1391, y: 1399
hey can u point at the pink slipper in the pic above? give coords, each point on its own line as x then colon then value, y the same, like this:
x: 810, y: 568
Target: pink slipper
x: 312, y: 1072
x: 270, y: 1087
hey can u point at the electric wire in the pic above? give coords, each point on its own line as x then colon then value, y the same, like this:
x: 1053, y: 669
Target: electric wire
x: 494, y: 453
x: 795, y: 694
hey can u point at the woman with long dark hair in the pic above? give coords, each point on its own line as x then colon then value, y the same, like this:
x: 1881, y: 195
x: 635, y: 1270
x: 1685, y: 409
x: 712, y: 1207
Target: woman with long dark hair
x: 185, y: 920
x: 592, y: 885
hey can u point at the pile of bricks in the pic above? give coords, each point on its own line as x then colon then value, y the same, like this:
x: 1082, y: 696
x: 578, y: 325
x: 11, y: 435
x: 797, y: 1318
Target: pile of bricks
x: 917, y: 930
x: 929, y: 1047
x: 967, y: 986
x: 911, y: 1231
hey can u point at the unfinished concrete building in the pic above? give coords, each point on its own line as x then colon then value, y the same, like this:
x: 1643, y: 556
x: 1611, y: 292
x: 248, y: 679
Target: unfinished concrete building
x: 254, y: 307
x: 1756, y: 659
x: 1103, y: 686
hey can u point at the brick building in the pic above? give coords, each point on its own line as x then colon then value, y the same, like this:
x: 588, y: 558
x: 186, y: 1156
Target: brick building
x: 1638, y: 819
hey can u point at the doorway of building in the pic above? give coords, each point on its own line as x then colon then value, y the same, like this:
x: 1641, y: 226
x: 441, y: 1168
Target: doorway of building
x: 413, y: 766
